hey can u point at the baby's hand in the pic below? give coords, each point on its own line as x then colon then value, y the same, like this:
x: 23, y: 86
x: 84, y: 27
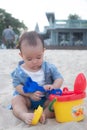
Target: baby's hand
x: 48, y: 87
x: 36, y: 96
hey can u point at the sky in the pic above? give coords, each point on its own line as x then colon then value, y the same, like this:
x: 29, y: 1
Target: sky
x: 34, y: 11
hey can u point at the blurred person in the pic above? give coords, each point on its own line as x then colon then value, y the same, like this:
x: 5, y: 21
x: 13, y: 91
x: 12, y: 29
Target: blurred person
x: 8, y: 37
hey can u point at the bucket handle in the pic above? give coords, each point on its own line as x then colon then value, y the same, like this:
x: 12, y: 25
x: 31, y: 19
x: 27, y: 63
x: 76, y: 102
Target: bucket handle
x: 51, y: 104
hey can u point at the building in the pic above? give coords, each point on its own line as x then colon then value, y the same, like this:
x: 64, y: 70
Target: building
x: 66, y: 32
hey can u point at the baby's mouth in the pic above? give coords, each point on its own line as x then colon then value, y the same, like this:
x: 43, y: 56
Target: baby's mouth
x: 35, y: 67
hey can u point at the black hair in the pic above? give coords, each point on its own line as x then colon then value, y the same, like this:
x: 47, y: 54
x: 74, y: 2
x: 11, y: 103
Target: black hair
x: 31, y: 37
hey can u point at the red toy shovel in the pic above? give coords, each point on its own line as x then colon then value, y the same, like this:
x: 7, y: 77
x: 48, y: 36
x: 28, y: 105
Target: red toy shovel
x: 80, y: 83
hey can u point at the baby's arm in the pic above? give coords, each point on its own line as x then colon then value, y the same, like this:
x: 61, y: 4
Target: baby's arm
x: 34, y: 96
x: 57, y: 78
x: 19, y: 89
x: 56, y: 84
x: 18, y: 85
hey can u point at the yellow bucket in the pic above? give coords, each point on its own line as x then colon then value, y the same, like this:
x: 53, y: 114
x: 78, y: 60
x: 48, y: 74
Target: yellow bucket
x: 68, y: 107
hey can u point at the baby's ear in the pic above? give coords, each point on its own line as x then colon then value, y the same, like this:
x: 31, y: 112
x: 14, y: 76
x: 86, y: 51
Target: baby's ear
x: 44, y: 49
x: 20, y: 54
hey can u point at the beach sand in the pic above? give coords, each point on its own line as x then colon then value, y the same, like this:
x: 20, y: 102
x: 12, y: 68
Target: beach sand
x: 69, y: 62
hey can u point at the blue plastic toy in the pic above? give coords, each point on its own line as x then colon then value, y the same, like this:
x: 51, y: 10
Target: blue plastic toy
x: 32, y: 86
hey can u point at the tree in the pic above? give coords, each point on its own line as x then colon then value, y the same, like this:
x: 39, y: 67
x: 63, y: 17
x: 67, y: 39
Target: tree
x: 6, y: 19
x: 74, y: 17
x: 74, y: 20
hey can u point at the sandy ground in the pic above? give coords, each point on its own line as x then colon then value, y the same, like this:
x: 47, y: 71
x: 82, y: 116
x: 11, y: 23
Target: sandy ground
x: 69, y: 63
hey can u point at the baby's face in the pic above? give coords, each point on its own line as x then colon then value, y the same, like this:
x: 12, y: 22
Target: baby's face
x: 32, y: 55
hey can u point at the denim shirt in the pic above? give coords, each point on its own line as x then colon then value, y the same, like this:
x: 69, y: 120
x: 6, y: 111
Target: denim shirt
x: 50, y: 71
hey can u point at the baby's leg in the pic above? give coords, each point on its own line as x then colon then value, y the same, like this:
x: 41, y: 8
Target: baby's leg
x: 43, y: 119
x: 46, y: 113
x: 21, y: 106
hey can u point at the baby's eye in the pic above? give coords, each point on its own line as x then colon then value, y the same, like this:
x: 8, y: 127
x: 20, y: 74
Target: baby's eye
x: 38, y: 57
x: 29, y: 59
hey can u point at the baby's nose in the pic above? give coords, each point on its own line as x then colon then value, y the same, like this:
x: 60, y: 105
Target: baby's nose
x: 35, y: 61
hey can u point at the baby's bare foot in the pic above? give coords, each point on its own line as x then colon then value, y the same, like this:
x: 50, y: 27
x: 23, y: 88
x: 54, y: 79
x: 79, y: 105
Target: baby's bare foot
x: 27, y: 118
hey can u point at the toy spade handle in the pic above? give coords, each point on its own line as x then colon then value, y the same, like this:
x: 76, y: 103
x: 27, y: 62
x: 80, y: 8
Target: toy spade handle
x: 51, y: 104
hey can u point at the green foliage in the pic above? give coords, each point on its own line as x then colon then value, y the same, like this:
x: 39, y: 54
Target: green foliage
x: 6, y: 19
x: 73, y: 17
x: 75, y: 20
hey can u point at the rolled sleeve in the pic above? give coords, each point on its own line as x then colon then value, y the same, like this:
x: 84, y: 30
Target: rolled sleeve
x: 51, y: 73
x: 16, y: 81
x: 55, y: 73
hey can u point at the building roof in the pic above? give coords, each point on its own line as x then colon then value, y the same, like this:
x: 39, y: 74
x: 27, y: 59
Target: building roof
x: 69, y: 23
x: 50, y: 16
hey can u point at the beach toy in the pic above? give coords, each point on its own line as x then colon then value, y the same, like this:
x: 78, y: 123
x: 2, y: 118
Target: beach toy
x: 37, y: 114
x: 57, y: 91
x: 31, y: 86
x: 70, y: 105
x: 66, y: 91
x: 80, y: 83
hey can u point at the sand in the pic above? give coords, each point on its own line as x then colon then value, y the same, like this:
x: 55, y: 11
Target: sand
x: 69, y: 62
